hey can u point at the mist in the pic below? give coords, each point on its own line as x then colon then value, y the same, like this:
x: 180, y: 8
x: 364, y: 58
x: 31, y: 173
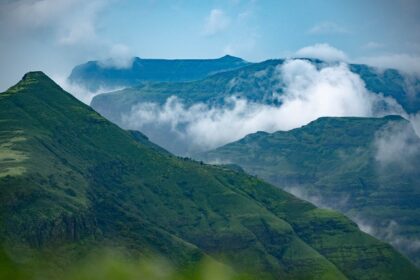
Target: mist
x: 80, y: 92
x: 390, y: 232
x: 308, y: 93
x: 398, y: 146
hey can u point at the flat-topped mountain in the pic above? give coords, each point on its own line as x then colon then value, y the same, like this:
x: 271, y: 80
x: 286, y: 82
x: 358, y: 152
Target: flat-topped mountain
x: 94, y: 75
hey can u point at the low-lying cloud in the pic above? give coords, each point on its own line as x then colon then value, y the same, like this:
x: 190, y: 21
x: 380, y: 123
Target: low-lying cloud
x: 80, y: 92
x: 120, y: 57
x: 390, y: 232
x: 322, y: 51
x: 398, y: 145
x: 315, y: 197
x: 406, y: 63
x: 308, y: 93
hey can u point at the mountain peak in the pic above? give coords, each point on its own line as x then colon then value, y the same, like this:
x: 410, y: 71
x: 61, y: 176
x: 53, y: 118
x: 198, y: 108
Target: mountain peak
x: 230, y: 57
x: 36, y: 82
x: 35, y: 75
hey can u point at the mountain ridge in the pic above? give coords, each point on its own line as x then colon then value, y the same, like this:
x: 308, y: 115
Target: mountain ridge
x: 362, y: 167
x: 95, y: 75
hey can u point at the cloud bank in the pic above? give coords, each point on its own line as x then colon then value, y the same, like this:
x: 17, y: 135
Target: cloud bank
x: 308, y: 93
x: 327, y: 27
x: 390, y: 232
x: 80, y: 92
x: 322, y: 51
x: 216, y: 22
x: 398, y: 146
x: 120, y: 57
x: 70, y: 22
x: 53, y: 36
x: 406, y: 63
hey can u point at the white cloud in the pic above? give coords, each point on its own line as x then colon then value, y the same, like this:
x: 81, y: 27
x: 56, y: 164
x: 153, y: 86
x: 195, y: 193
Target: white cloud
x: 120, y: 56
x: 216, y: 22
x: 373, y: 45
x: 79, y: 92
x: 389, y: 231
x: 323, y: 52
x: 398, y: 145
x: 309, y: 93
x: 407, y: 63
x: 43, y: 12
x: 415, y: 122
x: 50, y: 35
x: 80, y: 32
x: 70, y: 22
x: 327, y: 28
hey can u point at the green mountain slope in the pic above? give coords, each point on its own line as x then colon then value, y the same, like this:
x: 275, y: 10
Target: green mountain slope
x: 72, y: 182
x: 366, y: 168
x: 94, y: 75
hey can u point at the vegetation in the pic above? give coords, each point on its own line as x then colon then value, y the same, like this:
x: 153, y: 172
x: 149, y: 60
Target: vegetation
x: 338, y: 163
x: 73, y: 183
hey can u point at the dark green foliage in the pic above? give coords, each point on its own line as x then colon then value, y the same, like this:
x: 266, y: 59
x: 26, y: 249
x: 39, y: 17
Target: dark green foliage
x: 339, y: 163
x: 72, y: 183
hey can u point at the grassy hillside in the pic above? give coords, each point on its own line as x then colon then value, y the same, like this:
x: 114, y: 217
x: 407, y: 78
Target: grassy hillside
x: 72, y: 183
x: 366, y: 168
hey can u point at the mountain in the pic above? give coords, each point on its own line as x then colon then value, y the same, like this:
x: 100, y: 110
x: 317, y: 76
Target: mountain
x: 72, y: 182
x: 366, y: 168
x: 260, y: 83
x: 95, y: 75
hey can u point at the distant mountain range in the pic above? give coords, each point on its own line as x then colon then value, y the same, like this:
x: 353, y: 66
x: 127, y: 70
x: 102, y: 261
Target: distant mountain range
x: 95, y: 75
x: 257, y: 82
x: 72, y: 182
x: 366, y: 168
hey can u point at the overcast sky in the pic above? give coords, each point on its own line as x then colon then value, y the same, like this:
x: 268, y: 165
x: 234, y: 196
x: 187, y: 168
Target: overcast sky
x: 55, y: 35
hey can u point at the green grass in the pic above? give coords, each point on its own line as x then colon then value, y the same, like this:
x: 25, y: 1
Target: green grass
x: 332, y: 161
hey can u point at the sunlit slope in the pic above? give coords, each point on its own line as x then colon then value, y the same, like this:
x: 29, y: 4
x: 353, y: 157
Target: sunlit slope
x: 72, y: 182
x: 366, y: 168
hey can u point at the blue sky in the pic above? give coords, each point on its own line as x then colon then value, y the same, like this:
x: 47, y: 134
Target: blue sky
x: 55, y: 35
